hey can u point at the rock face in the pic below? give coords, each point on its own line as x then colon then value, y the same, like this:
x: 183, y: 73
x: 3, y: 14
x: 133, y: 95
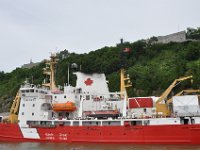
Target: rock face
x: 5, y: 104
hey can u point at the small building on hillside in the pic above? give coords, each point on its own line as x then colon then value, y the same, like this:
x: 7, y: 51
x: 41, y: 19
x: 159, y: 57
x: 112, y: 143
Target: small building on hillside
x: 175, y: 37
x: 30, y: 65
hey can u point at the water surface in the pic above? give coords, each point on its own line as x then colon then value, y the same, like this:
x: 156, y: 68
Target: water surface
x: 89, y: 146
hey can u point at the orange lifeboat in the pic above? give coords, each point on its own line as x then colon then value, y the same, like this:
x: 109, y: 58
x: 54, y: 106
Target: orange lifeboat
x: 68, y: 106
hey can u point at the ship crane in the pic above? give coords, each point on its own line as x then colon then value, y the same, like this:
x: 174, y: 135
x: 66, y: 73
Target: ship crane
x: 13, y: 117
x: 161, y: 105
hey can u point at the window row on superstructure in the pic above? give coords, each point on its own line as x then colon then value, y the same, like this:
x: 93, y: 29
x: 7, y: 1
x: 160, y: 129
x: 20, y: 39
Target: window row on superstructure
x: 33, y: 91
x: 31, y: 114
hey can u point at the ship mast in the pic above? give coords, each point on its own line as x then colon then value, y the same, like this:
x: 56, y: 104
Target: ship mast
x: 50, y: 71
x: 124, y: 78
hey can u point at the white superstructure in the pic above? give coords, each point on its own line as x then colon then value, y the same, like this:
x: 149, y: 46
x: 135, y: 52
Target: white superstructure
x: 34, y: 105
x: 90, y: 96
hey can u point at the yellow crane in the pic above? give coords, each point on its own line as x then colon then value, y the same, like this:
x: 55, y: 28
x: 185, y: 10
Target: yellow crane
x: 13, y: 117
x: 125, y: 82
x: 161, y: 105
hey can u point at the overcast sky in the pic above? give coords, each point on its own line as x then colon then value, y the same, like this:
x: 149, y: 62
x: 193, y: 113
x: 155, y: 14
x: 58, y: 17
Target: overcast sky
x: 31, y: 29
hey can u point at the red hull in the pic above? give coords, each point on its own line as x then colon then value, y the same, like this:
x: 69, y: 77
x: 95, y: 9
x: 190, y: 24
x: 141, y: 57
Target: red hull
x: 162, y: 134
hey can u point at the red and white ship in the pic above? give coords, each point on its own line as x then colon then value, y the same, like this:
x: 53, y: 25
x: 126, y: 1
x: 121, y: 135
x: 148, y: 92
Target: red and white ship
x: 88, y: 112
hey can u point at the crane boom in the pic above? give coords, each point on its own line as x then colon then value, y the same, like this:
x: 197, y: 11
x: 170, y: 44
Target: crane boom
x: 13, y: 117
x: 163, y: 107
x: 169, y: 89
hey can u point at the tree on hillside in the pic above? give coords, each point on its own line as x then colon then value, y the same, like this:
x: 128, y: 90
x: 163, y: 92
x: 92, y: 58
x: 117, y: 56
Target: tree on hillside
x: 193, y: 33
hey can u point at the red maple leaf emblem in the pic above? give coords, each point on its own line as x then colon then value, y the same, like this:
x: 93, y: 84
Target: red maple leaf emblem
x: 88, y: 82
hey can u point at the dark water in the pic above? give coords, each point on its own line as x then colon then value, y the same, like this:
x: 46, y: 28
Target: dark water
x: 59, y: 146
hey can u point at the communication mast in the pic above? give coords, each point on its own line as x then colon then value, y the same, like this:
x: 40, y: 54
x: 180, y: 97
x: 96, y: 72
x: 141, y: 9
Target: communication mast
x: 124, y: 78
x: 50, y: 71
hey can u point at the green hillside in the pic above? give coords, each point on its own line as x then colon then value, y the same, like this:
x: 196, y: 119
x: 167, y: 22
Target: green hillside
x: 152, y: 67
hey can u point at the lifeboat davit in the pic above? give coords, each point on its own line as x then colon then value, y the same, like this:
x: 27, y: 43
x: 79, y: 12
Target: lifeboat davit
x: 68, y: 106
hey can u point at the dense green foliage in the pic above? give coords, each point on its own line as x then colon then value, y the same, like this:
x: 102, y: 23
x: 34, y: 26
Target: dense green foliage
x: 152, y: 67
x: 193, y: 33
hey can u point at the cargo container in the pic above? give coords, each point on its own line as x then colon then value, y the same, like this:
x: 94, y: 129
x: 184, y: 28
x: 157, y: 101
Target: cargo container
x: 187, y: 105
x: 140, y: 102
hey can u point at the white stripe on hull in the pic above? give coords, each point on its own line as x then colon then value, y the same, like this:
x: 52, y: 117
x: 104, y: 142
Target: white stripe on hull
x: 30, y: 133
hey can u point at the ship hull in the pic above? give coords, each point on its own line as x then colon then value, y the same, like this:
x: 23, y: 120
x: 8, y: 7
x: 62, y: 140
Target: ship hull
x: 158, y: 134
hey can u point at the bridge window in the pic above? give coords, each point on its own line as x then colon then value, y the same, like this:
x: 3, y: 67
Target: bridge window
x: 22, y: 91
x: 87, y: 97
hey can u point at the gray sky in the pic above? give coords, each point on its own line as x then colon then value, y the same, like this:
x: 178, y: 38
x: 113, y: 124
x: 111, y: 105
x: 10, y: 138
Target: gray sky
x: 34, y: 28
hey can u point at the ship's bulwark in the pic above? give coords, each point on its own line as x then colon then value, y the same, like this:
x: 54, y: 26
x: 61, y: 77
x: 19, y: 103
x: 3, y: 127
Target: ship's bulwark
x: 160, y: 134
